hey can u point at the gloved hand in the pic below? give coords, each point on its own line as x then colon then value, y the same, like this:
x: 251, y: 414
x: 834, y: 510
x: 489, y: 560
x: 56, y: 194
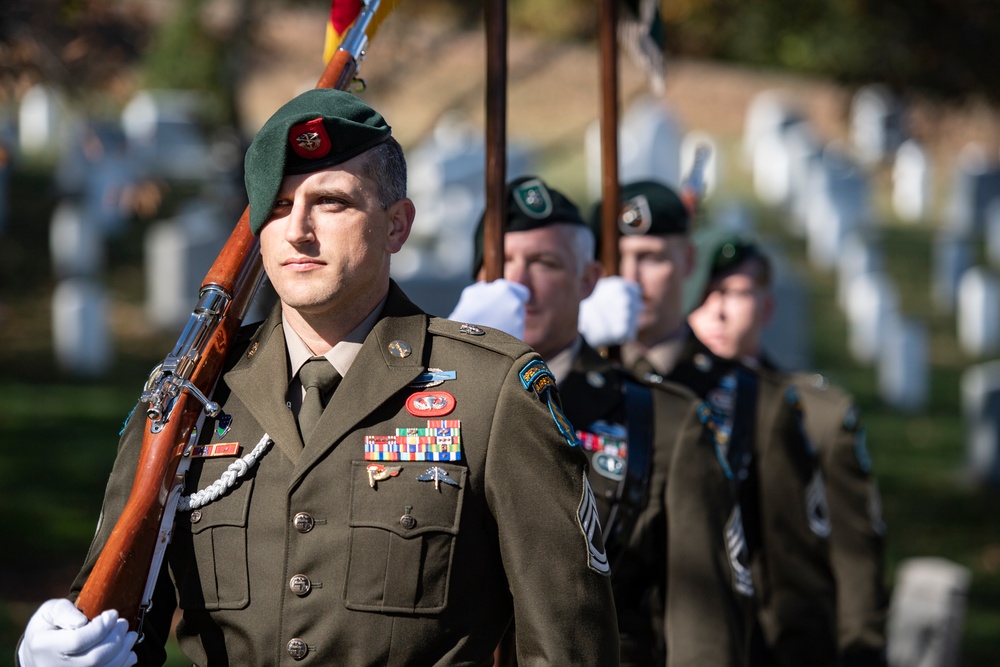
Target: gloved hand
x: 60, y: 634
x: 498, y: 304
x: 610, y: 315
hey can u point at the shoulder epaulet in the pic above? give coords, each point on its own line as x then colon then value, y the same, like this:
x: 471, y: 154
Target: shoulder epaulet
x: 480, y: 336
x: 817, y: 387
x: 675, y: 389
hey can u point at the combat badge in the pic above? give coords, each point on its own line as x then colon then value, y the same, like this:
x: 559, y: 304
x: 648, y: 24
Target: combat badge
x: 430, y: 404
x: 379, y: 473
x: 223, y: 424
x: 537, y: 377
x: 437, y: 475
x: 432, y: 377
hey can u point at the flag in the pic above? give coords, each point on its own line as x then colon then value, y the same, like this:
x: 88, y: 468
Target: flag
x: 342, y: 14
x: 641, y: 33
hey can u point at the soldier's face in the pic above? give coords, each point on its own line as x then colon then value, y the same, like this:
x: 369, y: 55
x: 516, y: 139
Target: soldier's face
x: 660, y: 264
x: 734, y: 313
x: 327, y: 244
x: 546, y: 261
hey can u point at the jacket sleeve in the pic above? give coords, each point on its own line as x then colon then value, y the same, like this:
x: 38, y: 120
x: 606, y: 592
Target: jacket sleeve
x: 549, y: 535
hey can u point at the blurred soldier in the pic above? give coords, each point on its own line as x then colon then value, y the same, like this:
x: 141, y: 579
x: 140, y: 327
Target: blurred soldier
x: 738, y: 305
x: 439, y: 494
x: 664, y: 500
x: 756, y: 421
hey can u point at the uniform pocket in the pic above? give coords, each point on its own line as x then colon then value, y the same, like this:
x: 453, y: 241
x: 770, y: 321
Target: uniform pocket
x: 403, y: 538
x: 209, y: 553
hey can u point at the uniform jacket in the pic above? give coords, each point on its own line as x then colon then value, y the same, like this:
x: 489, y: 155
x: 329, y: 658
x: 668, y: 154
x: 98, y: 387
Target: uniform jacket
x: 307, y: 553
x: 782, y: 500
x: 857, y: 540
x: 674, y: 579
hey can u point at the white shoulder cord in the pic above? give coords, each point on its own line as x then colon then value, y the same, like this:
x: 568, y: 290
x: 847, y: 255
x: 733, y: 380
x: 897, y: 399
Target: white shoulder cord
x: 236, y: 469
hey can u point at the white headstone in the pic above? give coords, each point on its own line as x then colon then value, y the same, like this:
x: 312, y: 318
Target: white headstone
x: 165, y: 135
x: 859, y: 255
x: 769, y: 112
x: 978, y: 315
x: 912, y: 178
x: 837, y: 204
x: 877, y: 123
x: 805, y: 155
x: 771, y: 167
x: 976, y: 184
x: 981, y: 411
x: 76, y: 243
x: 41, y: 120
x: 178, y: 254
x: 649, y: 144
x: 951, y: 254
x: 872, y: 302
x: 80, y: 331
x: 926, y: 613
x: 786, y: 336
x: 903, y: 365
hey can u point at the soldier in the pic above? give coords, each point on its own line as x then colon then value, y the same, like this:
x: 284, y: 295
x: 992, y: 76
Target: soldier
x: 663, y: 497
x: 756, y: 421
x: 738, y: 305
x: 439, y: 495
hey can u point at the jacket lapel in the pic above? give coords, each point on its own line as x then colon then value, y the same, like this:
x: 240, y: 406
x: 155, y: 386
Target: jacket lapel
x: 260, y: 381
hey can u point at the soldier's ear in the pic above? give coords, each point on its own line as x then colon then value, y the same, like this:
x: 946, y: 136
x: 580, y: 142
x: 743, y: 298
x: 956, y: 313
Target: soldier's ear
x: 401, y: 215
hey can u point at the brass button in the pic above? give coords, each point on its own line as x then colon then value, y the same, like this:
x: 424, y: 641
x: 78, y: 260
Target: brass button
x: 195, y: 516
x: 407, y: 521
x: 400, y: 349
x: 303, y: 522
x: 300, y: 585
x: 297, y: 648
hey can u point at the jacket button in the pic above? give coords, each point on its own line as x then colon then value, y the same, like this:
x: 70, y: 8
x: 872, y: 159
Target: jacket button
x: 303, y: 522
x: 407, y: 521
x: 297, y: 648
x: 195, y: 516
x: 300, y: 585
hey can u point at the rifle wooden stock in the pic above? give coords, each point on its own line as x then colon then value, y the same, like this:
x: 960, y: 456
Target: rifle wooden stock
x: 118, y: 578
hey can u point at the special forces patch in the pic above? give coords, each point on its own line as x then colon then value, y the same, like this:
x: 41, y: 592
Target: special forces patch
x: 537, y: 377
x: 597, y: 558
x: 636, y: 217
x: 533, y: 198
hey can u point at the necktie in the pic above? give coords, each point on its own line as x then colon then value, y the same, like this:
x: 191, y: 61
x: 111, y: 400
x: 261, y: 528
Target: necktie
x: 318, y: 378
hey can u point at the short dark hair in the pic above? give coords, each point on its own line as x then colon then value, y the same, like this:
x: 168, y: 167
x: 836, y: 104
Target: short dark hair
x: 385, y: 166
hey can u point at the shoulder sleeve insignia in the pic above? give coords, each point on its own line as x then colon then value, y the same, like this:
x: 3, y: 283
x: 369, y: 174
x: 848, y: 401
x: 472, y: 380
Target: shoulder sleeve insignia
x: 537, y: 377
x: 861, y: 451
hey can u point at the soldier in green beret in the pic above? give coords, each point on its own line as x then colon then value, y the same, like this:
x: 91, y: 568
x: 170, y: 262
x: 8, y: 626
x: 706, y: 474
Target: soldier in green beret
x: 756, y: 420
x: 672, y: 528
x: 408, y: 486
x: 738, y: 304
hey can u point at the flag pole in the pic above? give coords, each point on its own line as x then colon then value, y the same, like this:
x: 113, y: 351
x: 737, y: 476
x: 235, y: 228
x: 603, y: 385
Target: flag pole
x: 496, y: 138
x: 610, y: 206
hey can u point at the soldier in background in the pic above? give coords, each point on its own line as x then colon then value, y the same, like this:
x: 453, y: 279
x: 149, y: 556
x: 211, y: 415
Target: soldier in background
x: 672, y: 531
x: 755, y: 418
x: 738, y: 304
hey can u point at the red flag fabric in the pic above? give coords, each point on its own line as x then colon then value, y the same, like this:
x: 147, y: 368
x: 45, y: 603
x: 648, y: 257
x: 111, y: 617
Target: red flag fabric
x: 342, y: 14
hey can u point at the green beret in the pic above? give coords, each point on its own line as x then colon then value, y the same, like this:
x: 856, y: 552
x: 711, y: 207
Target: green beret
x: 318, y: 129
x: 530, y: 204
x: 717, y: 252
x: 648, y: 207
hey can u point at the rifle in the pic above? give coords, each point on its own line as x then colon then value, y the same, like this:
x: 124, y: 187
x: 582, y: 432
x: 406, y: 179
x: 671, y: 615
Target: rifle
x: 178, y: 391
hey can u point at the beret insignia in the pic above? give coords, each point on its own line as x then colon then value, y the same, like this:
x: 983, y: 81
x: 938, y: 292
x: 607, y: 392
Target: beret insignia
x: 636, y: 217
x: 309, y: 140
x: 533, y: 198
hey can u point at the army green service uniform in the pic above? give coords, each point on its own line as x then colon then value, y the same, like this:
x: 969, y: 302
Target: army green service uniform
x: 857, y: 540
x: 673, y: 579
x: 758, y: 421
x: 311, y: 559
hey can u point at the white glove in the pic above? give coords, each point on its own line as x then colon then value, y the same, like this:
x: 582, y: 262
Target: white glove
x: 60, y: 634
x: 610, y: 315
x: 498, y: 304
